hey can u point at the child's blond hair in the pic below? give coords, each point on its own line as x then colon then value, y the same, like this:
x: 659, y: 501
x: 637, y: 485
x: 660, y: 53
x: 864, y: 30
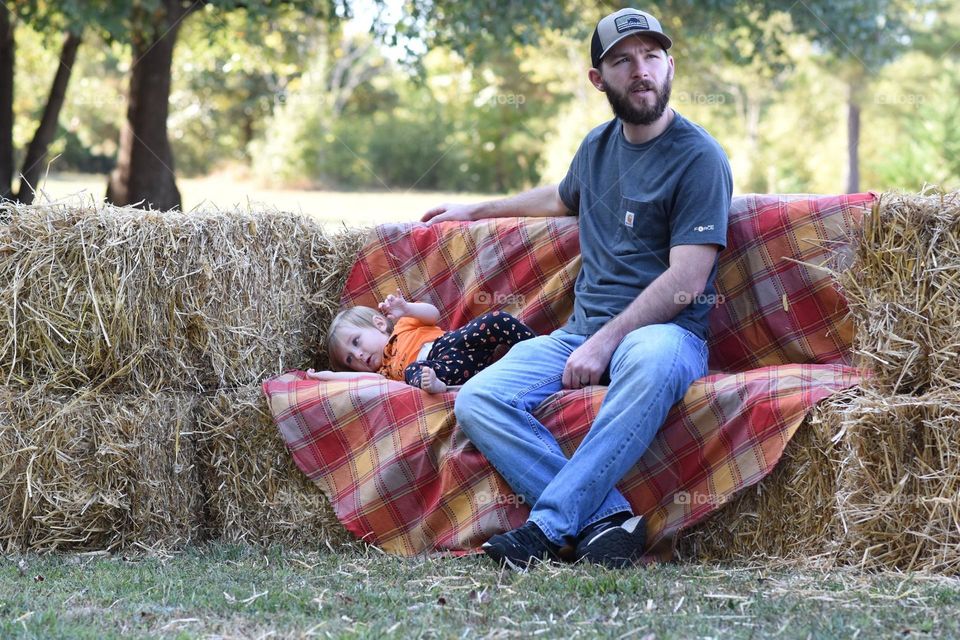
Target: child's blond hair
x: 358, y: 317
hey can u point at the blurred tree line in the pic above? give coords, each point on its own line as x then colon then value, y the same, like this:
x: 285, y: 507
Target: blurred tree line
x: 476, y: 95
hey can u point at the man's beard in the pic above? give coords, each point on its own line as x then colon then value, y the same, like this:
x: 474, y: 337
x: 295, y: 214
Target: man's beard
x: 644, y: 115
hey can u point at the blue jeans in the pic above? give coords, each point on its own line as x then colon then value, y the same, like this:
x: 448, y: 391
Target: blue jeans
x: 649, y: 372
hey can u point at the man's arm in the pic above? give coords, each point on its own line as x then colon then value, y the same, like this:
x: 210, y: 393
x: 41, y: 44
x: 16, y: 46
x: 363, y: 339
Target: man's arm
x: 682, y: 282
x: 539, y: 202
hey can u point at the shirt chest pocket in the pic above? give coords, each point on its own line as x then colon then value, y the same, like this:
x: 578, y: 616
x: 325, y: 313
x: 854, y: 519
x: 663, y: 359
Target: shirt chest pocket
x: 642, y: 228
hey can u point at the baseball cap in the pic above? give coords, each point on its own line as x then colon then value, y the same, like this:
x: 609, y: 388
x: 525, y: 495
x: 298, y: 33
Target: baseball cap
x: 617, y: 26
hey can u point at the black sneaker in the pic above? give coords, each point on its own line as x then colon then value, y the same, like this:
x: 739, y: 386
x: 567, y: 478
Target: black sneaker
x: 520, y: 548
x: 617, y: 541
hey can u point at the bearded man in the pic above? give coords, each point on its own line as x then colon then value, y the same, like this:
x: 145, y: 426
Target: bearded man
x: 652, y: 191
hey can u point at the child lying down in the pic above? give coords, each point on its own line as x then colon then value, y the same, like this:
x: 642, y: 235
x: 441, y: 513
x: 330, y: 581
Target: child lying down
x: 402, y: 342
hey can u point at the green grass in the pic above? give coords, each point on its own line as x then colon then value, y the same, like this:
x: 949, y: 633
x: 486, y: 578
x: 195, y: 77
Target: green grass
x: 330, y: 207
x: 236, y: 591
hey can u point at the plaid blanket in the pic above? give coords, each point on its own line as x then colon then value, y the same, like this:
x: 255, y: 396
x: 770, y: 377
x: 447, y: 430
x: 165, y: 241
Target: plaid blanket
x: 525, y: 267
x: 401, y: 474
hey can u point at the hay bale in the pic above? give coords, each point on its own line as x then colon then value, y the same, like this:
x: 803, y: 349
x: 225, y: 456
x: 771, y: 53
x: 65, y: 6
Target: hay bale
x: 903, y: 290
x: 96, y: 471
x: 143, y: 300
x: 257, y: 494
x: 900, y: 481
x: 871, y: 480
x: 791, y: 515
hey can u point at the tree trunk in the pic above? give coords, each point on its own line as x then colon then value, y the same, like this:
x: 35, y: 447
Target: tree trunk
x: 33, y: 164
x: 853, y: 139
x: 144, y: 174
x: 6, y: 101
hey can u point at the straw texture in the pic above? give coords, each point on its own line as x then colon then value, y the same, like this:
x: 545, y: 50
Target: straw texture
x: 899, y: 488
x: 97, y: 471
x: 257, y: 495
x: 791, y: 515
x: 903, y: 290
x: 134, y: 300
x: 128, y: 339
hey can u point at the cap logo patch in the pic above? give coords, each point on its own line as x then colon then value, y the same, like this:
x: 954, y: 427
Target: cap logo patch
x: 631, y: 22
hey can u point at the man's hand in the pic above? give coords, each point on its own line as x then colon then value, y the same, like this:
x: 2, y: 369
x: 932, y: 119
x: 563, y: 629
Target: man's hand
x: 586, y: 364
x: 394, y: 307
x: 446, y: 212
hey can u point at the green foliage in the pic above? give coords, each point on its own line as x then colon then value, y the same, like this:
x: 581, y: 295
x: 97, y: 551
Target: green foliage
x: 94, y: 104
x: 914, y: 105
x: 869, y: 33
x: 477, y: 29
x: 478, y: 129
x: 276, y: 86
x: 231, y: 70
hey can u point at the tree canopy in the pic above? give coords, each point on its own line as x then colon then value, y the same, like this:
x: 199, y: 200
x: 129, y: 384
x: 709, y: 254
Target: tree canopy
x: 476, y: 95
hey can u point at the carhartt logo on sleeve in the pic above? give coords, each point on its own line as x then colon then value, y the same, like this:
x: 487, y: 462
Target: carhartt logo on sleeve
x: 708, y: 227
x: 628, y: 219
x: 630, y: 22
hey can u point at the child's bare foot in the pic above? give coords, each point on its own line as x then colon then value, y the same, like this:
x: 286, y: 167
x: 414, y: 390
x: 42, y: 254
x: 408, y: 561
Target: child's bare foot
x: 429, y: 381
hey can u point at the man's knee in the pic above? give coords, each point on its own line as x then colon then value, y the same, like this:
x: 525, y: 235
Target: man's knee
x: 648, y: 354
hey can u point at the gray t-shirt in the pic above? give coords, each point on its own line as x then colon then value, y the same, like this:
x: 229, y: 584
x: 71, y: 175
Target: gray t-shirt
x: 635, y: 202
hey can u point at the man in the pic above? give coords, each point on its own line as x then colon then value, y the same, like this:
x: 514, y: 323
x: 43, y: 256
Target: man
x: 652, y: 191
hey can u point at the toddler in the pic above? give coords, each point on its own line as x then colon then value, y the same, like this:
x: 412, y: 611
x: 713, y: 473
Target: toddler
x: 402, y: 342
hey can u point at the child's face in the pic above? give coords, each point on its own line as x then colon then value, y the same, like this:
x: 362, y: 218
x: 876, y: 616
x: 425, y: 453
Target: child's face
x: 361, y: 348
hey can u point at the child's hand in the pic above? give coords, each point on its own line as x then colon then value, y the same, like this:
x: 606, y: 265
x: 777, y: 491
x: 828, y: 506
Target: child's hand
x: 394, y: 307
x: 316, y: 375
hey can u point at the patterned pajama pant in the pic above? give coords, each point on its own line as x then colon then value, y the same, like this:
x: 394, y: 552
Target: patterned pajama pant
x: 461, y: 353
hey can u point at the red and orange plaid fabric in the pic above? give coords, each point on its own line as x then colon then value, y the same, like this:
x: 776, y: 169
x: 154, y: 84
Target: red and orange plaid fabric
x: 776, y: 310
x: 527, y: 268
x: 401, y: 474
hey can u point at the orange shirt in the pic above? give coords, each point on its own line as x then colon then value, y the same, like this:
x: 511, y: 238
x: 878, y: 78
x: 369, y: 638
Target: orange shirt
x: 403, y: 347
